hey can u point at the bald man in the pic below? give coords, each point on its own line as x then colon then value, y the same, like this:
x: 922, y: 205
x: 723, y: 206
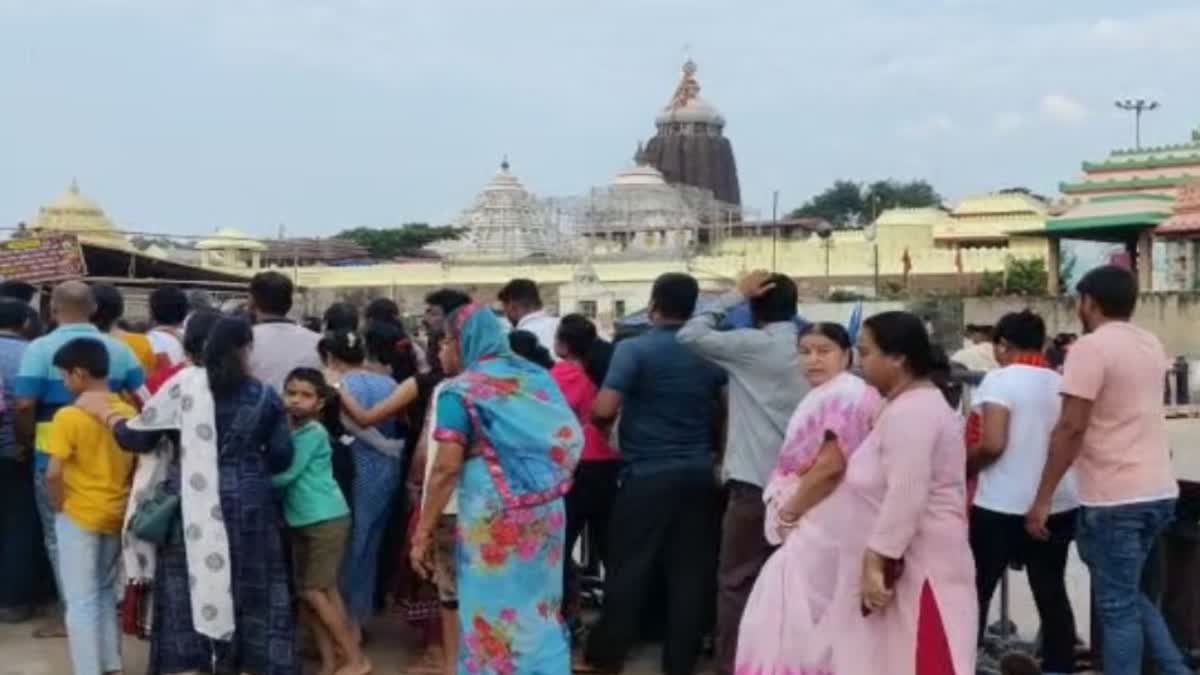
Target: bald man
x: 39, y: 392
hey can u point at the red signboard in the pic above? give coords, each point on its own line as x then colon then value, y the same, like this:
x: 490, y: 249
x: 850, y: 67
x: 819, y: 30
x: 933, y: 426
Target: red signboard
x: 42, y: 259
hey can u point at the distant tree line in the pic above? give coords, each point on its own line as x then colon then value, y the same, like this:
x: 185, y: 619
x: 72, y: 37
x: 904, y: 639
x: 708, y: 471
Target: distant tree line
x: 407, y: 240
x: 852, y: 204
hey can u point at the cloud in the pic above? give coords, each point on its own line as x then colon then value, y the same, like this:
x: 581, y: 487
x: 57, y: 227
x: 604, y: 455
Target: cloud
x: 1063, y: 109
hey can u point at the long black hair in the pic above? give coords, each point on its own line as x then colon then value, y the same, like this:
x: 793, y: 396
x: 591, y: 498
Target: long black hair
x: 526, y: 344
x: 222, y: 355
x: 199, y: 327
x: 578, y: 334
x: 904, y: 334
x: 344, y: 345
x: 341, y: 316
x: 388, y: 344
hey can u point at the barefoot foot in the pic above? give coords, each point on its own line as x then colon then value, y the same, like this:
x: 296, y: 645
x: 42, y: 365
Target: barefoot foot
x: 362, y: 667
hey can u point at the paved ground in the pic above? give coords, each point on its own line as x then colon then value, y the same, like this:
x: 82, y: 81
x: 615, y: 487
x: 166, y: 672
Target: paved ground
x: 391, y: 654
x: 390, y: 651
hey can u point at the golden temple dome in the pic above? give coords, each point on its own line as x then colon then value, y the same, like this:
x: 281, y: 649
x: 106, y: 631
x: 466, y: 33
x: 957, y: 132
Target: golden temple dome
x: 74, y: 213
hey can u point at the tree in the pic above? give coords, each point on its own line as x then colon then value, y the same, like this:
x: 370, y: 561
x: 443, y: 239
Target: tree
x: 849, y: 204
x: 389, y: 242
x: 841, y: 204
x: 1020, y: 277
x: 1025, y: 277
x: 890, y: 194
x: 1027, y: 192
x: 991, y: 283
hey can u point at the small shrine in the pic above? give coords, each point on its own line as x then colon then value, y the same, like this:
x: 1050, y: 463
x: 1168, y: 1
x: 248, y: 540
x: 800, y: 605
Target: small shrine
x: 1180, y: 235
x: 231, y: 248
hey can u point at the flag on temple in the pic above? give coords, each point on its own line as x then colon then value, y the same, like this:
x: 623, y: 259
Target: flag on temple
x: 906, y: 260
x: 958, y: 263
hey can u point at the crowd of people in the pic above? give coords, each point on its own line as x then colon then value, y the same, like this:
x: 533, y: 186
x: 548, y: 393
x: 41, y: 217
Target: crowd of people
x: 247, y: 490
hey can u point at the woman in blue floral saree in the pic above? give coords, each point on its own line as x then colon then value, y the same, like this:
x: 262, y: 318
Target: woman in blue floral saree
x: 508, y: 442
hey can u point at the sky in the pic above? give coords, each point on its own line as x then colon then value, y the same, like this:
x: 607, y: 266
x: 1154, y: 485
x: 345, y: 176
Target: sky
x: 181, y: 116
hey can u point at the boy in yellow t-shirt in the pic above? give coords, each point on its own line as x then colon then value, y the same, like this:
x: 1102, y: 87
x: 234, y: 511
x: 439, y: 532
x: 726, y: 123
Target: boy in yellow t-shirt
x: 88, y: 481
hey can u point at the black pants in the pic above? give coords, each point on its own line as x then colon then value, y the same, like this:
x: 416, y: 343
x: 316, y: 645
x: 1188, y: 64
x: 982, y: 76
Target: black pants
x: 25, y: 577
x: 744, y: 551
x: 1000, y: 539
x: 665, y: 519
x: 590, y: 504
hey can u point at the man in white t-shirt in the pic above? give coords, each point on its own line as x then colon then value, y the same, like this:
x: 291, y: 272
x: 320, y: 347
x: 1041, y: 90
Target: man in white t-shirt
x: 1019, y: 405
x: 523, y: 308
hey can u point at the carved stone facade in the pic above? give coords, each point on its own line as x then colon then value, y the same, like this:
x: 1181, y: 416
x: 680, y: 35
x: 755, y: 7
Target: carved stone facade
x: 690, y: 146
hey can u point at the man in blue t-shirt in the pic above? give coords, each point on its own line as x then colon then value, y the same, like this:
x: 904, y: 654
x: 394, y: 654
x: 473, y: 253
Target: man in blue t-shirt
x: 39, y: 392
x: 20, y: 532
x: 671, y: 405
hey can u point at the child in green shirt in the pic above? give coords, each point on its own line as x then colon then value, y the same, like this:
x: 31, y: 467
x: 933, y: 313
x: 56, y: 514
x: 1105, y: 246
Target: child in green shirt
x: 319, y: 518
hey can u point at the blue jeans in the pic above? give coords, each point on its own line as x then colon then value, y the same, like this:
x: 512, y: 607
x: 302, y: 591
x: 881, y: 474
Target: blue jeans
x: 88, y: 567
x: 1115, y: 541
x: 46, y: 515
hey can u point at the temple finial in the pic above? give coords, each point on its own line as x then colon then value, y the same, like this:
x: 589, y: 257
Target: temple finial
x: 687, y: 89
x: 73, y: 188
x: 639, y: 155
x: 504, y: 163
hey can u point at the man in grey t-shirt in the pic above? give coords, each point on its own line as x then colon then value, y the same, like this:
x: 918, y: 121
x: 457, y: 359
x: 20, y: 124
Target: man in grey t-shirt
x: 765, y: 385
x: 280, y: 345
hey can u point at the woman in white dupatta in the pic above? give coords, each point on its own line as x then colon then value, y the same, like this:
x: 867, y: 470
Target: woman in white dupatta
x: 221, y: 601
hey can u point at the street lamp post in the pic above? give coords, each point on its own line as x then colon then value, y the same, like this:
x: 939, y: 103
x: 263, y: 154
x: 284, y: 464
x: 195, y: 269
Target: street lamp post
x: 872, y: 234
x: 774, y: 227
x: 1137, y: 107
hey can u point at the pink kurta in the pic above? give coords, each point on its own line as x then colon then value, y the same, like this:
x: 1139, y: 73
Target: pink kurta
x: 902, y: 497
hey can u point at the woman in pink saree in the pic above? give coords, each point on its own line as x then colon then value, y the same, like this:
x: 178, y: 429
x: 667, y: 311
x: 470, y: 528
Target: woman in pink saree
x: 796, y: 586
x: 881, y: 578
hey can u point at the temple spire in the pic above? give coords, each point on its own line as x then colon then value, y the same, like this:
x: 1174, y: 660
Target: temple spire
x: 504, y: 163
x: 688, y: 87
x: 639, y: 155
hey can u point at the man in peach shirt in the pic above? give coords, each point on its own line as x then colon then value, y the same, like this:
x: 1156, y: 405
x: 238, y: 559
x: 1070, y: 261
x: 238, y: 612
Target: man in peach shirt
x: 1113, y: 430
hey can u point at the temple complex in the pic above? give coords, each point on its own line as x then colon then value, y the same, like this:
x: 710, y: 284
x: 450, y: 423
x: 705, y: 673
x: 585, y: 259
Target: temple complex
x: 1121, y: 200
x: 690, y: 146
x: 676, y: 207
